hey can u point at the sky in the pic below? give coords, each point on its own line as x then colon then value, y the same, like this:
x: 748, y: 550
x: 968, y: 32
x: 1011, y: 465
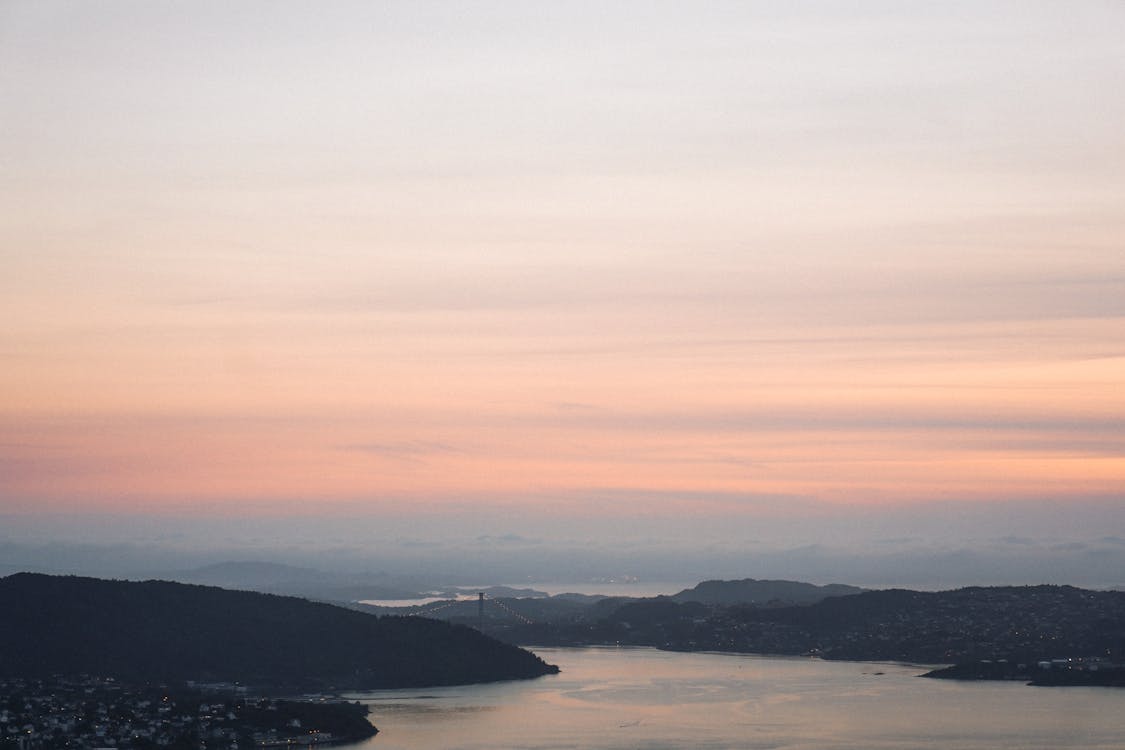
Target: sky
x: 814, y: 288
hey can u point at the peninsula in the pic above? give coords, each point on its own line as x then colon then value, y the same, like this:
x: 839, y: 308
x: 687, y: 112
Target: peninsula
x: 156, y: 631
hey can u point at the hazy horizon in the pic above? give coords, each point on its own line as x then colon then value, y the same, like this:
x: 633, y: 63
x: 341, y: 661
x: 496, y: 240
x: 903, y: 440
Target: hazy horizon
x: 819, y: 291
x: 926, y: 551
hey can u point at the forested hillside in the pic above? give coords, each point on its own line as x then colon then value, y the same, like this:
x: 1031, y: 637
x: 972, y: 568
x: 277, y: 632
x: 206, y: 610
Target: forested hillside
x: 161, y: 631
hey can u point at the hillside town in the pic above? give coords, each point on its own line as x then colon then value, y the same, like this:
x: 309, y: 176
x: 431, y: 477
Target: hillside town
x: 90, y: 712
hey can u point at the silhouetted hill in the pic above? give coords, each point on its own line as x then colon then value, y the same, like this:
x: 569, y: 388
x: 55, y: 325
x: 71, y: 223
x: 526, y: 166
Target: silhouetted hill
x: 1023, y: 624
x: 1016, y: 622
x: 751, y: 591
x: 162, y: 631
x: 656, y: 609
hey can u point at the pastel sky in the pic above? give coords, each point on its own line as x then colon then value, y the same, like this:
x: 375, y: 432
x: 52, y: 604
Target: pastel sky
x: 540, y: 264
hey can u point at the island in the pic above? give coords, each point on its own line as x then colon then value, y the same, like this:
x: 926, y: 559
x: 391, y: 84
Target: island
x: 1090, y: 671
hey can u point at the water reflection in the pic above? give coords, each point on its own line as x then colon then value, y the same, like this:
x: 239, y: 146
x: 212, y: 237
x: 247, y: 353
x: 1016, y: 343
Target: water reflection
x: 612, y: 699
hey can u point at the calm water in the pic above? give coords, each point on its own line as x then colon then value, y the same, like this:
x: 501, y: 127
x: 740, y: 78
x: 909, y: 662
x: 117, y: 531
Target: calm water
x: 643, y: 699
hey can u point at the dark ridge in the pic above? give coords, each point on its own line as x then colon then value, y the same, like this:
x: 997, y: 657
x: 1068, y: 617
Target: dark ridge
x: 753, y: 591
x: 161, y: 631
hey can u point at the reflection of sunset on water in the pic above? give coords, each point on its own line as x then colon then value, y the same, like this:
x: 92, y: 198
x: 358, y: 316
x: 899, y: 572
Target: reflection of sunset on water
x: 645, y: 699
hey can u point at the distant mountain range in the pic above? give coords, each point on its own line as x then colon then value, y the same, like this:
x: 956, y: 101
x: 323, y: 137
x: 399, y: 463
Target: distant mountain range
x: 752, y: 591
x: 156, y: 631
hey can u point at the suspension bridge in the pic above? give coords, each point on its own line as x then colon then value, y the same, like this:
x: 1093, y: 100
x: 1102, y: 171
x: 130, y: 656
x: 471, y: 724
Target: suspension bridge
x: 485, y: 606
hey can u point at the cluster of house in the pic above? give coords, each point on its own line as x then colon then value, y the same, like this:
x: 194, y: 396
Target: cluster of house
x: 1081, y: 664
x: 96, y: 713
